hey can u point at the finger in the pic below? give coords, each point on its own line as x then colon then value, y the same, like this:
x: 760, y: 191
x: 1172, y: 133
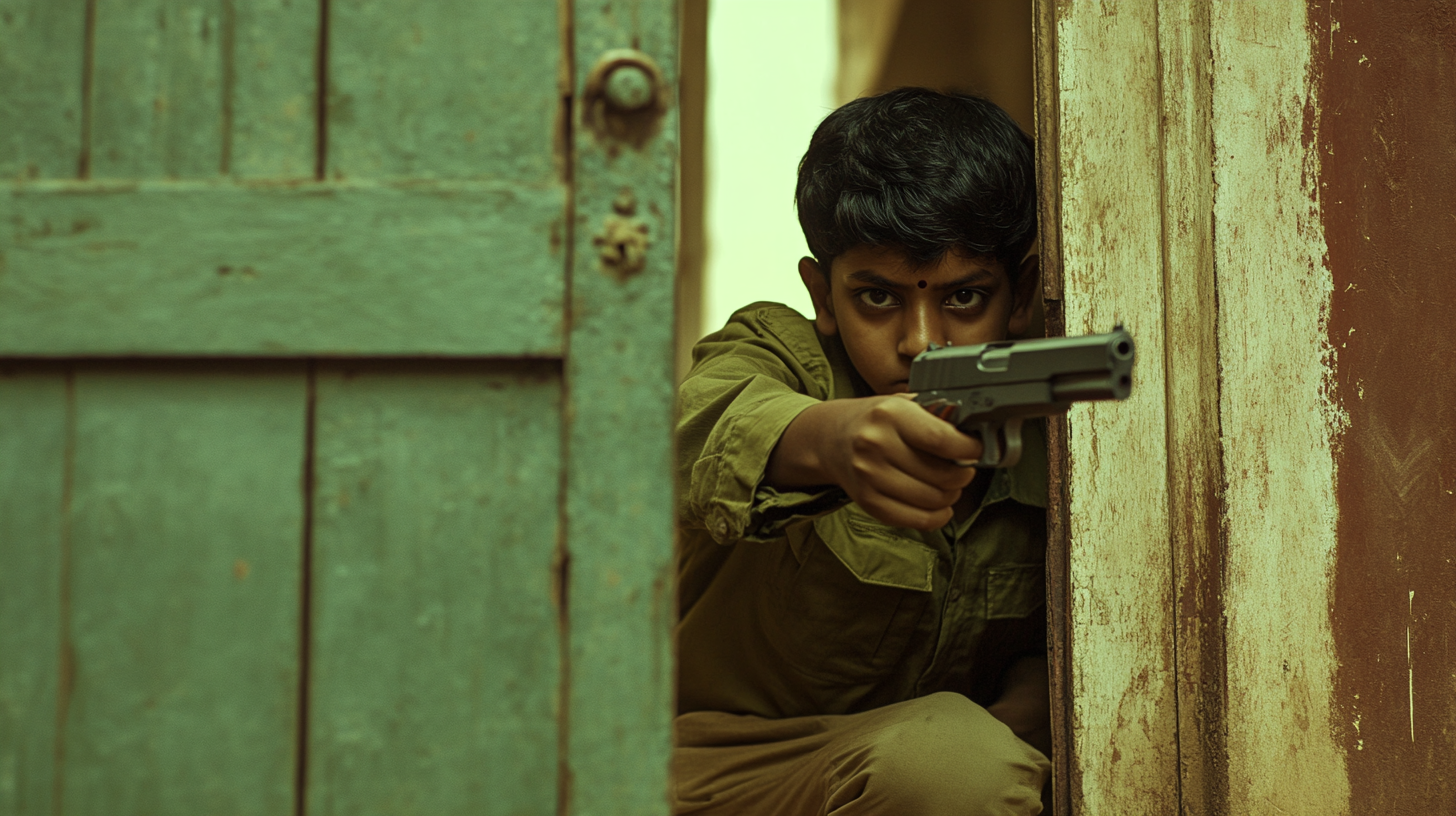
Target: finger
x: 901, y: 487
x: 899, y: 431
x: 899, y: 514
x: 925, y: 431
x: 940, y: 438
x: 929, y: 468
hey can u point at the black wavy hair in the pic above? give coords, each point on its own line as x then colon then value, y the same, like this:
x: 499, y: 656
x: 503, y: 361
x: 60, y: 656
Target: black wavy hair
x: 923, y: 172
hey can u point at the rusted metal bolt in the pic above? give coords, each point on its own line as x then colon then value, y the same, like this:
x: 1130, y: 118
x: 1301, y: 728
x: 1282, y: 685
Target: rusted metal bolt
x: 629, y: 88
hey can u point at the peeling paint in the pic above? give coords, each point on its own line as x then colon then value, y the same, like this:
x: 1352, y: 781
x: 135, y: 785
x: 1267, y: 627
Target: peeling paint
x: 1280, y: 421
x: 1410, y: 666
x: 1124, y: 710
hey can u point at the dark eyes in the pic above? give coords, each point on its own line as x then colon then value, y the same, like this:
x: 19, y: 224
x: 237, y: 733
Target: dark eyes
x: 959, y: 299
x: 965, y: 299
x: 878, y: 298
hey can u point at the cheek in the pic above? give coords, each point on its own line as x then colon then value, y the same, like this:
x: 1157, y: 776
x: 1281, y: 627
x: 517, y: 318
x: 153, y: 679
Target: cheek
x: 870, y: 348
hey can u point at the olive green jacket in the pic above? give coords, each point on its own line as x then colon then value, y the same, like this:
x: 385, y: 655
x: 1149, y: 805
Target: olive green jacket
x: 797, y: 603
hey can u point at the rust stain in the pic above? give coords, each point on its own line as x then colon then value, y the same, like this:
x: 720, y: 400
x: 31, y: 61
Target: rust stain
x: 242, y: 569
x: 1388, y: 156
x: 623, y: 240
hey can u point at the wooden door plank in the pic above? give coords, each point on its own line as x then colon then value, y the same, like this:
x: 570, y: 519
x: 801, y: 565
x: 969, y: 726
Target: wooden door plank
x: 446, y: 89
x: 619, y: 504
x: 178, y: 87
x: 42, y: 52
x: 193, y: 269
x: 33, y: 448
x: 1195, y: 478
x: 157, y: 90
x: 1279, y: 413
x: 435, y: 672
x: 271, y: 89
x: 183, y: 582
x: 1124, y: 723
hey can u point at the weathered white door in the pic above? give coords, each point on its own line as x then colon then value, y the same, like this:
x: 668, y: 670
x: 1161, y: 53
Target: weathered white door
x: 1252, y: 567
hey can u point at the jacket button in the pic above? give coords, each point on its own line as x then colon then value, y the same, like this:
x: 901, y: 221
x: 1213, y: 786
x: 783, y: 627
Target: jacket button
x: 721, y: 527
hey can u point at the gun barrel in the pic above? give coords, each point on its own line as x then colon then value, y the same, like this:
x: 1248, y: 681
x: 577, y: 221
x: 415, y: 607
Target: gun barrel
x: 1085, y: 386
x: 1092, y: 366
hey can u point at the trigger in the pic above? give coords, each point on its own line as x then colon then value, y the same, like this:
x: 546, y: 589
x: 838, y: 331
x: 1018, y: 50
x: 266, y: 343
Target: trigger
x: 1013, y: 443
x: 1002, y: 445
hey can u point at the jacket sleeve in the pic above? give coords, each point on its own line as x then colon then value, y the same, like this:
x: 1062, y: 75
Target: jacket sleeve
x: 748, y: 382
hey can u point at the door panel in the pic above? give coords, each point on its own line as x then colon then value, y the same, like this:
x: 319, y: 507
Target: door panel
x: 1304, y: 201
x: 33, y: 443
x: 457, y: 108
x: 168, y: 268
x: 458, y: 89
x: 435, y: 661
x: 335, y: 577
x: 203, y: 88
x: 156, y: 534
x: 42, y: 55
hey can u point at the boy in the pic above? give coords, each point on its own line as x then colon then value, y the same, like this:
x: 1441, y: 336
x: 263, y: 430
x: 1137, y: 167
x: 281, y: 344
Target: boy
x: 847, y: 588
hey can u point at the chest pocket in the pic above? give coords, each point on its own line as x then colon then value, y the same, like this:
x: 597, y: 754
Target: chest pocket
x: 1014, y: 590
x: 849, y: 597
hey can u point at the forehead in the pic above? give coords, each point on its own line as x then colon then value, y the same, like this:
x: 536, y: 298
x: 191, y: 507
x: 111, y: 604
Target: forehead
x: 889, y: 263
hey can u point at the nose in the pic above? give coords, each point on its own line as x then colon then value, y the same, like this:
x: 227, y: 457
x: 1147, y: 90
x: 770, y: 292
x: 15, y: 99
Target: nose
x: 922, y: 327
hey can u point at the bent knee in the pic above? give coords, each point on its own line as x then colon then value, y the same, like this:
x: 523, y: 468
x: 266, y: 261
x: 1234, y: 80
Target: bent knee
x: 948, y: 757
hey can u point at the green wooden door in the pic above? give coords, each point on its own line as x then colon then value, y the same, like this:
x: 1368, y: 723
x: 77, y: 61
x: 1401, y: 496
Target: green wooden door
x: 335, y: 395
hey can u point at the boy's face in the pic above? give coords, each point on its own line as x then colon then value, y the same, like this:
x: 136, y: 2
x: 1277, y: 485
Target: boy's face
x: 886, y: 310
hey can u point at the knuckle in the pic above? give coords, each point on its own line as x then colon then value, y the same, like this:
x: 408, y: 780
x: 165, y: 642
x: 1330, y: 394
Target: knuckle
x: 868, y: 439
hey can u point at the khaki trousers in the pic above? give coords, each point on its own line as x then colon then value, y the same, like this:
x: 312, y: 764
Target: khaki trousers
x: 941, y: 755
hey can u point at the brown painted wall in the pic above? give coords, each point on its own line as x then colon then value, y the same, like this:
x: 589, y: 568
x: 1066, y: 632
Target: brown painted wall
x: 1387, y: 143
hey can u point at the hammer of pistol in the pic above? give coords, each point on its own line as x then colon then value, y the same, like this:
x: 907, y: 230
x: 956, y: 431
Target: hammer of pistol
x: 989, y: 389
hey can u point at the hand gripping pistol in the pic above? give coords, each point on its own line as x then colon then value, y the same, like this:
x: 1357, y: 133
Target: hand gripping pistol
x: 987, y: 390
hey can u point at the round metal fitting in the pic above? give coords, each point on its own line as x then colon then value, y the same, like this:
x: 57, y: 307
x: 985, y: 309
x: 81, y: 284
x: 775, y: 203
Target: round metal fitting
x: 629, y: 87
x: 625, y: 98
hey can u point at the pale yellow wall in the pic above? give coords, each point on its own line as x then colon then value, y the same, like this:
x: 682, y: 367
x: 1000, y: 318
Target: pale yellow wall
x: 771, y: 67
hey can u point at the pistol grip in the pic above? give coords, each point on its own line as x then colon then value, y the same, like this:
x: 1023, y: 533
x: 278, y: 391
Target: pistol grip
x: 1001, y: 443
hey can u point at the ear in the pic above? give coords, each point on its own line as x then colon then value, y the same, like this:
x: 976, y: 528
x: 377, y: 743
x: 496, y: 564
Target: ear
x: 1028, y: 282
x: 817, y: 282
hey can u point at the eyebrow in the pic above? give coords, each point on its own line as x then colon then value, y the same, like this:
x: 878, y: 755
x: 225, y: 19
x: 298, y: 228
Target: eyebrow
x: 876, y: 279
x: 872, y: 277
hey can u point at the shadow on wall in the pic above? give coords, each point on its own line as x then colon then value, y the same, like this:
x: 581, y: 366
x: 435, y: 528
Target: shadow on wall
x: 983, y: 47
